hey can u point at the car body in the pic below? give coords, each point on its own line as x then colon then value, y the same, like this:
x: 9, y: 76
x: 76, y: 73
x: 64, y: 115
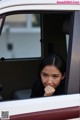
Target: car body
x: 63, y: 107
x: 47, y: 108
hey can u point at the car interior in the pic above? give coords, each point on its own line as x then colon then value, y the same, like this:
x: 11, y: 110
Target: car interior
x: 18, y: 73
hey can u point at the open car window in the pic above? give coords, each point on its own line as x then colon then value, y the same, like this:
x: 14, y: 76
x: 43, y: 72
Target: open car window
x: 27, y: 35
x: 33, y: 35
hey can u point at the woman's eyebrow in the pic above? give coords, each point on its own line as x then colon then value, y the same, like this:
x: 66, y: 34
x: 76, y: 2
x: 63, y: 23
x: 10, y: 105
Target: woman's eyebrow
x: 55, y: 74
x: 45, y: 72
x: 52, y: 74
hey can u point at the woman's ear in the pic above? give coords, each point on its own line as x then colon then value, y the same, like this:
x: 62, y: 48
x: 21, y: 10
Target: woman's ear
x: 63, y: 76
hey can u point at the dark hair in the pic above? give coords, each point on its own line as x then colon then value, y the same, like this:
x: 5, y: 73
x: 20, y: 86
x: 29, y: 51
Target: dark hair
x: 55, y: 60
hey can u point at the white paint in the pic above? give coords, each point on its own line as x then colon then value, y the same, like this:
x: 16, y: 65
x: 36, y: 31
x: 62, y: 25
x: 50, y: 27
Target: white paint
x: 9, y: 5
x: 40, y: 104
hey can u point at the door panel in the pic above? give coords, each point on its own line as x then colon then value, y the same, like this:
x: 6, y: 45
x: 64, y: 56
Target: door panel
x: 74, y: 79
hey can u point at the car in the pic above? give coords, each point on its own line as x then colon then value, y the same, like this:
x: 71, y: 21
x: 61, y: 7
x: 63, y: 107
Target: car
x: 60, y: 107
x: 29, y: 30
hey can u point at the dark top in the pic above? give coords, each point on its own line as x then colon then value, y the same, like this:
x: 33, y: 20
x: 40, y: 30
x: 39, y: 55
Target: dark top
x: 38, y: 89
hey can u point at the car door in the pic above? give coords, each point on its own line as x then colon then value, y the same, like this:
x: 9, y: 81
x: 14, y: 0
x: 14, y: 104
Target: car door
x: 56, y: 107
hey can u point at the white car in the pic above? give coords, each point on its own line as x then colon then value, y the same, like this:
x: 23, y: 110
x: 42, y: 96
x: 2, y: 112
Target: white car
x: 29, y: 30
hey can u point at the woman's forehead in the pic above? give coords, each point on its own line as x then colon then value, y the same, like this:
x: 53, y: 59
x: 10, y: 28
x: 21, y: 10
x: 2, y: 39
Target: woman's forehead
x: 50, y: 69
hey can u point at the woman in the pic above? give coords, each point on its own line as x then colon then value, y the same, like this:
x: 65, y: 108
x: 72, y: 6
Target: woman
x: 50, y: 77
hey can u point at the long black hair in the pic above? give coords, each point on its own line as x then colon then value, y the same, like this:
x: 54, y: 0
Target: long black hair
x: 59, y: 63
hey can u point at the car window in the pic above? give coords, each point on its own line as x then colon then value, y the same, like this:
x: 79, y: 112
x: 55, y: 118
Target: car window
x: 32, y: 35
x: 21, y: 36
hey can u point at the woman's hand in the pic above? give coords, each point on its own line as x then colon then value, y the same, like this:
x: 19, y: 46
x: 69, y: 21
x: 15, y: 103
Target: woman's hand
x: 49, y: 90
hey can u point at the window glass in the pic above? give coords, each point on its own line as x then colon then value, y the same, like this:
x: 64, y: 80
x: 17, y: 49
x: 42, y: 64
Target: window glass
x: 18, y: 20
x: 19, y: 39
x: 35, y: 20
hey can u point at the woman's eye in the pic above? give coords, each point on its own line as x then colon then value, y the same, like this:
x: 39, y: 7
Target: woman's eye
x: 55, y: 76
x: 44, y: 75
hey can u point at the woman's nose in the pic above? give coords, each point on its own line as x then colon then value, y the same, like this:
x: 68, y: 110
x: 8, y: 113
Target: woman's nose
x: 50, y: 80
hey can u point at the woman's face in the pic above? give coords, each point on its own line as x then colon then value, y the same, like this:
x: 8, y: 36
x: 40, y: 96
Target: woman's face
x: 51, y: 76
